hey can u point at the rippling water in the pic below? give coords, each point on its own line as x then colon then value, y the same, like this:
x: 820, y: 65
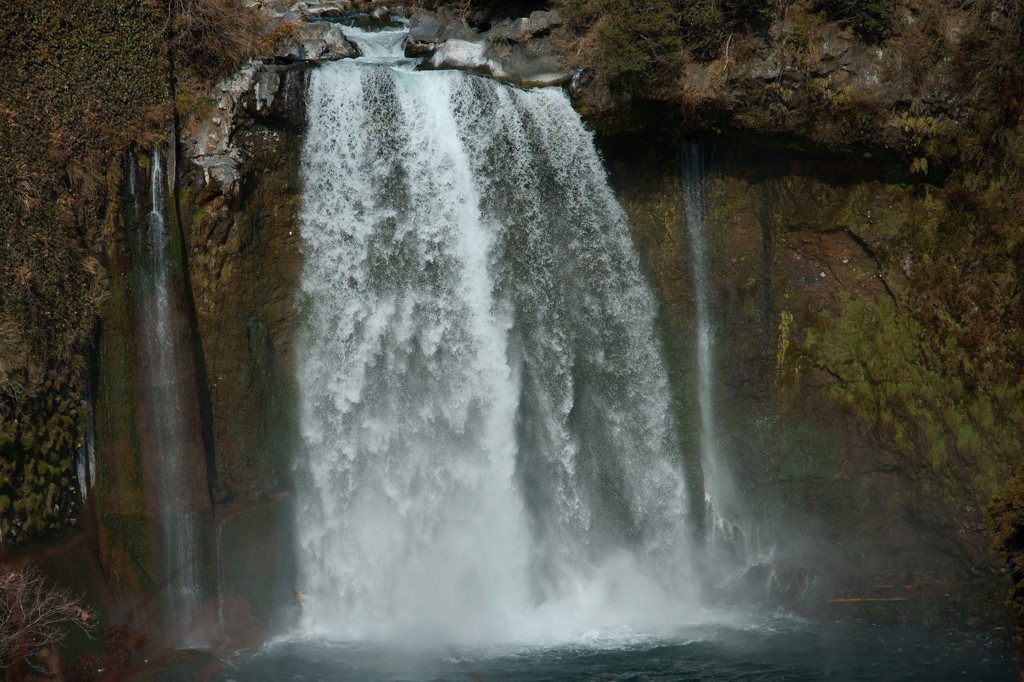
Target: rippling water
x: 778, y: 648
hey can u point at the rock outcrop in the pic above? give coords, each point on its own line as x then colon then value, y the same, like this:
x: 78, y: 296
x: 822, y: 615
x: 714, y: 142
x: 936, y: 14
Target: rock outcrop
x: 250, y: 91
x: 520, y: 50
x: 517, y: 50
x: 311, y: 35
x: 803, y: 82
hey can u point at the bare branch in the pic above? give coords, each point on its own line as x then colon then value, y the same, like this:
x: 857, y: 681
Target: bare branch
x: 35, y: 616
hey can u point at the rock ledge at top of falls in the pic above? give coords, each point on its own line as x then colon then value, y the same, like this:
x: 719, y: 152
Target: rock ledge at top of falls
x: 517, y: 50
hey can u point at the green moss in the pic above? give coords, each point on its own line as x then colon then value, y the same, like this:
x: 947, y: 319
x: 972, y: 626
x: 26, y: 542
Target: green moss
x: 797, y: 43
x: 935, y: 361
x: 785, y: 333
x: 130, y: 533
x: 38, y: 442
x: 86, y: 72
x: 1004, y: 517
x: 190, y: 104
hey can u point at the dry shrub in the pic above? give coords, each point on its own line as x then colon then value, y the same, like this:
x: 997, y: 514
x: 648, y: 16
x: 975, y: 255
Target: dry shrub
x: 922, y: 43
x: 14, y: 354
x: 628, y: 47
x: 284, y: 32
x: 209, y: 38
x: 115, y: 661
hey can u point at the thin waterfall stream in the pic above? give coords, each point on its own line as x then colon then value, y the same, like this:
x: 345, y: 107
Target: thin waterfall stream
x: 693, y: 195
x: 717, y: 484
x: 733, y: 542
x: 171, y: 443
x: 489, y: 448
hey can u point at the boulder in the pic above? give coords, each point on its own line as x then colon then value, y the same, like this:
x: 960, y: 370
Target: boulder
x: 428, y: 30
x: 317, y: 41
x: 520, y: 30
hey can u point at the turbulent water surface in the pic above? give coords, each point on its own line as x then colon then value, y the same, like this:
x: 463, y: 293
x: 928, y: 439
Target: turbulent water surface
x: 762, y: 650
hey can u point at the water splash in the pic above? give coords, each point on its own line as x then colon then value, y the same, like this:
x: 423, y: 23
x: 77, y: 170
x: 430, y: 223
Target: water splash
x: 489, y: 449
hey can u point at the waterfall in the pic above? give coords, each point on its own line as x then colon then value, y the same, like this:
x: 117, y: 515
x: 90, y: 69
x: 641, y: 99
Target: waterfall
x: 733, y: 543
x: 489, y: 450
x: 85, y: 459
x: 171, y: 442
x: 695, y: 206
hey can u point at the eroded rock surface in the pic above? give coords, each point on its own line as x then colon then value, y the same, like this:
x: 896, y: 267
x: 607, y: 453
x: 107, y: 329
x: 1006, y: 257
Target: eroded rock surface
x: 250, y: 91
x: 239, y: 212
x: 816, y: 292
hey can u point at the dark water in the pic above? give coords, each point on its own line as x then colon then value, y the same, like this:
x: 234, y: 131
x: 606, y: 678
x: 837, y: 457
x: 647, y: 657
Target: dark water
x: 774, y: 649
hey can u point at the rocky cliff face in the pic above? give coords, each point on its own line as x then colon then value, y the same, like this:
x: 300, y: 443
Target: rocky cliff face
x: 867, y: 263
x: 240, y: 197
x: 840, y: 419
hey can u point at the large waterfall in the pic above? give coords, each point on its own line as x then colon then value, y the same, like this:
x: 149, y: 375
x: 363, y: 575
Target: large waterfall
x: 489, y: 451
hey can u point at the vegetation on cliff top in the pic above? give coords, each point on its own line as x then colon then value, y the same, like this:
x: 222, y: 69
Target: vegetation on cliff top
x: 640, y: 44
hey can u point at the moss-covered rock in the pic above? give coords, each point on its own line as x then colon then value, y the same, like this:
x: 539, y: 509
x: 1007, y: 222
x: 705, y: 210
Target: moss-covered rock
x: 40, y: 437
x: 848, y: 400
x: 1005, y: 519
x: 86, y: 73
x: 120, y: 494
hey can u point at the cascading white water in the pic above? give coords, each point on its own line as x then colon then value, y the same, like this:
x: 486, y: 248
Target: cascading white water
x: 167, y: 422
x: 489, y: 450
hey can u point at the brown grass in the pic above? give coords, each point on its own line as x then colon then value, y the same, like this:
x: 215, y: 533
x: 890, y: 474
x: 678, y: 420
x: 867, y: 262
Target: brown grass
x: 209, y: 38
